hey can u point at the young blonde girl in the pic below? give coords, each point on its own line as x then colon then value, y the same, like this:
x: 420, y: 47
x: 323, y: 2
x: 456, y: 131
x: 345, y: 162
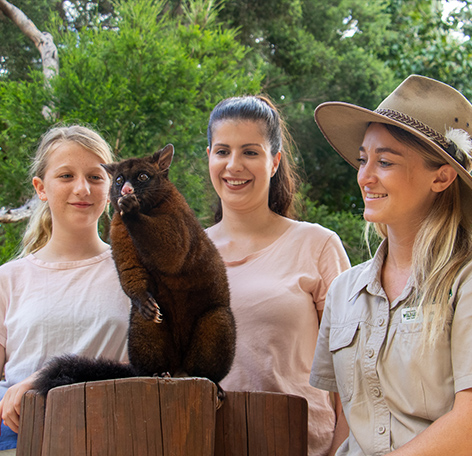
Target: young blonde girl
x: 62, y: 294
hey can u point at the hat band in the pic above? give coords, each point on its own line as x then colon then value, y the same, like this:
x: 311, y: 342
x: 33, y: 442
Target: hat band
x: 445, y: 144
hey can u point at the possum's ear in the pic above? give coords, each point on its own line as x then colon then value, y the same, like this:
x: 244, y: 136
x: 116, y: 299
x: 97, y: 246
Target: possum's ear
x: 109, y: 168
x: 163, y: 157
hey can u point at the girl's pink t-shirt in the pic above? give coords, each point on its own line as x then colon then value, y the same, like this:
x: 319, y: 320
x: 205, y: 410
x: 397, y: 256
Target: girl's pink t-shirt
x: 48, y: 309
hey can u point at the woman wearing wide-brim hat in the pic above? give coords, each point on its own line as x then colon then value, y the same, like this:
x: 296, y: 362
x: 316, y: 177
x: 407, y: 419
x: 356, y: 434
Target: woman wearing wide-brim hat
x: 397, y: 330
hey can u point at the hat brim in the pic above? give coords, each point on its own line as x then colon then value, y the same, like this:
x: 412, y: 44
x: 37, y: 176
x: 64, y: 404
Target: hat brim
x: 344, y: 126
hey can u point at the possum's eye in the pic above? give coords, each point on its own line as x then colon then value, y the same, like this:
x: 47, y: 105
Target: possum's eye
x: 119, y: 180
x: 143, y: 177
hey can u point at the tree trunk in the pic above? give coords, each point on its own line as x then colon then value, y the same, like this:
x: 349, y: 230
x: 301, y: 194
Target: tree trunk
x: 45, y: 44
x: 42, y: 40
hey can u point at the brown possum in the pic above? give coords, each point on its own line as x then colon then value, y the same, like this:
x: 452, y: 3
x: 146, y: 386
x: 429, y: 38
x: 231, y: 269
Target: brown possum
x: 181, y: 323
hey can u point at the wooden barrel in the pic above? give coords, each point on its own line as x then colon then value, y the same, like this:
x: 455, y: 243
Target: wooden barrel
x: 149, y: 416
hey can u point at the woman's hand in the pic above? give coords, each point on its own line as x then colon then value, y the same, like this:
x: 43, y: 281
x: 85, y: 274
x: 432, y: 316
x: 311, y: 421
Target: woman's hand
x: 10, y: 405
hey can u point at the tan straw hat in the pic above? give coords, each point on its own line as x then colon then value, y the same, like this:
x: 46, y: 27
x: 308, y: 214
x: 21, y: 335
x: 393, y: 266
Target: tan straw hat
x: 433, y: 111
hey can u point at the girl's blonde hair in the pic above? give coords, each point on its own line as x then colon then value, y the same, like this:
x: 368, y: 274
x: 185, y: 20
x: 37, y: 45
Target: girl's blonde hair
x: 442, y: 246
x: 39, y: 228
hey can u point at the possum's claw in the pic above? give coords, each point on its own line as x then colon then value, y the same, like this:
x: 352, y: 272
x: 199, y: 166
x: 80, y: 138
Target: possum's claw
x: 220, y: 396
x: 158, y: 317
x: 157, y: 311
x: 150, y: 310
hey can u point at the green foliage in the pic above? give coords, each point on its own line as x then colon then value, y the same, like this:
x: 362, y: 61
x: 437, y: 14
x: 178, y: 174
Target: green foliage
x: 21, y: 125
x: 421, y: 40
x: 349, y: 227
x: 10, y: 236
x: 202, y: 12
x: 191, y: 178
x: 77, y: 14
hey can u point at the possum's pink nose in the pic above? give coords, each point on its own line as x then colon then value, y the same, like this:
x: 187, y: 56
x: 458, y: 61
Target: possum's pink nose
x: 127, y: 189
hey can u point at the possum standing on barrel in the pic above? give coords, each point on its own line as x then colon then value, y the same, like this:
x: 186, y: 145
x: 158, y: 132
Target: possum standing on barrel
x: 181, y: 323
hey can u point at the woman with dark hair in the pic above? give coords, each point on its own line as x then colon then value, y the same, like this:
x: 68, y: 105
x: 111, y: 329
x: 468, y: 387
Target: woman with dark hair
x: 279, y: 269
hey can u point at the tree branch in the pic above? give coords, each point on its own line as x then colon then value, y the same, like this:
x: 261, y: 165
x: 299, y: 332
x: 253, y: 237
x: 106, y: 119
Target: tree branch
x: 19, y: 214
x: 21, y: 20
x: 42, y: 40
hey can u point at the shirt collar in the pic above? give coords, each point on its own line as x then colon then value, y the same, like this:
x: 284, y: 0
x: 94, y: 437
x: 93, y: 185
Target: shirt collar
x: 370, y: 276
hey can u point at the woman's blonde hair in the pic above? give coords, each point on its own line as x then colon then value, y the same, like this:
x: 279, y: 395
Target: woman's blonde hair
x: 39, y: 228
x: 442, y: 246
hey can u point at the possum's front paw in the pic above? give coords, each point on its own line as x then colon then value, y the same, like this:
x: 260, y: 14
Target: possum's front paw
x: 128, y: 204
x: 150, y: 310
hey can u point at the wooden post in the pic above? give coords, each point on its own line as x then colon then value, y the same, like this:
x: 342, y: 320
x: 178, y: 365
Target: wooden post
x: 143, y: 416
x: 262, y: 424
x: 149, y: 416
x: 30, y: 437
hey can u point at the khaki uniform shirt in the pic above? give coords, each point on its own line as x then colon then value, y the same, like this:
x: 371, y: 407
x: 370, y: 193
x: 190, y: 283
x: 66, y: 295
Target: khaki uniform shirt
x: 369, y: 351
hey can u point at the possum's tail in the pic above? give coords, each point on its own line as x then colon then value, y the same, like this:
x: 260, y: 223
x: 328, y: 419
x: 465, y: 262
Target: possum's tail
x: 68, y: 369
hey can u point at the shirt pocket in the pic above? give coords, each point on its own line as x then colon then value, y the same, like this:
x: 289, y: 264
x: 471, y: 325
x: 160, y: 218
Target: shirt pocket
x: 343, y: 345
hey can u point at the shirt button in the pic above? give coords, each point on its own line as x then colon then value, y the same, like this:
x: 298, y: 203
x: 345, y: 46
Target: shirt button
x: 381, y: 429
x: 380, y: 321
x: 376, y: 392
x: 370, y: 352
